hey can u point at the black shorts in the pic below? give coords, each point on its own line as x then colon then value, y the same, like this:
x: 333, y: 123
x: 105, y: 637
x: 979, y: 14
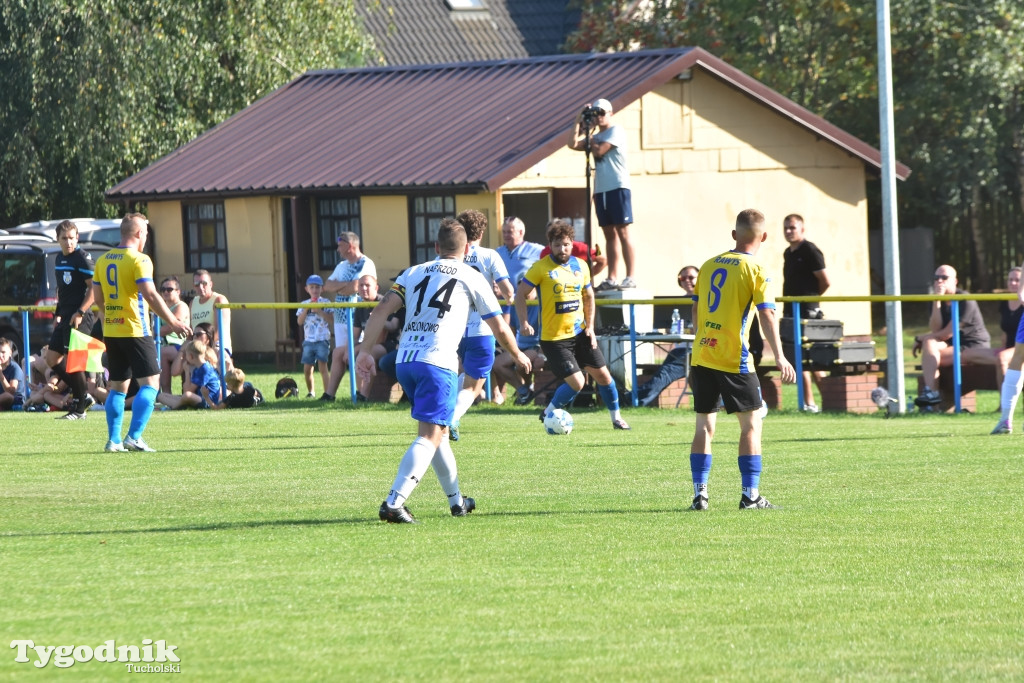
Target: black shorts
x: 739, y: 392
x: 565, y: 357
x: 129, y: 357
x: 61, y: 336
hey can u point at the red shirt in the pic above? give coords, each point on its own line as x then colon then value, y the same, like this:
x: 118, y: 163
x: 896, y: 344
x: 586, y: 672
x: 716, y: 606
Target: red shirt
x: 579, y: 250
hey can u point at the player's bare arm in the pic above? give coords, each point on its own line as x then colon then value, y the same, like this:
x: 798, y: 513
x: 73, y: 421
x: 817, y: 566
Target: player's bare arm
x: 770, y: 330
x: 366, y: 364
x: 521, y: 295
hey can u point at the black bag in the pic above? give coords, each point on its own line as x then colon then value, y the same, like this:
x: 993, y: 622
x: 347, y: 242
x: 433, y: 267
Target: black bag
x: 286, y: 387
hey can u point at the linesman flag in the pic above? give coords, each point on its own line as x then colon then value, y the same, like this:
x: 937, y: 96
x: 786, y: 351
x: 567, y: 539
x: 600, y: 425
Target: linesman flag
x: 85, y: 353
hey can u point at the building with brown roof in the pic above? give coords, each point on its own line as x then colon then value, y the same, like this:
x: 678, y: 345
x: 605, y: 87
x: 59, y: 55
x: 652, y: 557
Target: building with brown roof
x: 387, y: 151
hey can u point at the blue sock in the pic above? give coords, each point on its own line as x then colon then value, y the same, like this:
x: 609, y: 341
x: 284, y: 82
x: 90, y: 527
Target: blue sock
x: 750, y: 474
x: 609, y: 396
x: 142, y: 408
x: 700, y: 468
x: 564, y: 395
x: 114, y: 407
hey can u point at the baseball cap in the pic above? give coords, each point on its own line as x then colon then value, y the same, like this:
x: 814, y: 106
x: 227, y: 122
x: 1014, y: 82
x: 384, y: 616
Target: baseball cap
x: 602, y: 104
x: 314, y: 280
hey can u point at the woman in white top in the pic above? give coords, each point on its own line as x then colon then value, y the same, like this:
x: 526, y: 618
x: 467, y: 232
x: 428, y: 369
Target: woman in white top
x: 204, y: 312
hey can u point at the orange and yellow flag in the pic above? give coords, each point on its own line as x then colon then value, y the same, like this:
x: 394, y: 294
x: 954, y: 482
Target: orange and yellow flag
x: 85, y: 353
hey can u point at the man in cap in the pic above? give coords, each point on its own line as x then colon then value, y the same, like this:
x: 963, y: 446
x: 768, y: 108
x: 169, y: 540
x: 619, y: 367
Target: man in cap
x: 612, y: 198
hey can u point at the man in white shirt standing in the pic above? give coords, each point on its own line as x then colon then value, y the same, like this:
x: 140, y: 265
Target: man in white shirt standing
x: 342, y: 285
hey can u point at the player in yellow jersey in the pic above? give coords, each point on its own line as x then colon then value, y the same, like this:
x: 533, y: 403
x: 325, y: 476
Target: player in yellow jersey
x: 729, y: 287
x: 567, y: 335
x: 124, y: 291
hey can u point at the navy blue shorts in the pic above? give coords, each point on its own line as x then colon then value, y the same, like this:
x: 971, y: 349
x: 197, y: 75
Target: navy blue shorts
x: 614, y: 207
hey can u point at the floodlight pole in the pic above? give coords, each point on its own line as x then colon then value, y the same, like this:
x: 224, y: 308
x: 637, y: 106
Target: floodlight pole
x: 890, y: 222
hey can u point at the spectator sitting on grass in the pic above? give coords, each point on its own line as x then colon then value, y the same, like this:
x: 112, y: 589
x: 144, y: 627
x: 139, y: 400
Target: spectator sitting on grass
x: 241, y: 394
x: 202, y: 375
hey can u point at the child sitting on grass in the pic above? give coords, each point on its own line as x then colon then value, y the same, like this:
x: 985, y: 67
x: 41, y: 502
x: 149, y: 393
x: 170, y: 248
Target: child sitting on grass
x: 241, y: 394
x: 208, y: 391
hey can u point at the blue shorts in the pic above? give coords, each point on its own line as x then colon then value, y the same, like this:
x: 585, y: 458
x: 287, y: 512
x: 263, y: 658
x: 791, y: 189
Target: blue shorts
x: 477, y: 355
x: 614, y: 207
x: 431, y: 390
x: 1020, y: 331
x: 315, y: 352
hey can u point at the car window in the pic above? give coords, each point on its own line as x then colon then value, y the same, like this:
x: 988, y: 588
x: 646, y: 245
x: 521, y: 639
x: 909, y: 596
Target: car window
x: 22, y: 277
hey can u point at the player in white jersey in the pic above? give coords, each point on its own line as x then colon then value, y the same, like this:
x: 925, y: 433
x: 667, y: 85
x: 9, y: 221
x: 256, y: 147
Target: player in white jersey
x: 477, y: 347
x: 438, y: 297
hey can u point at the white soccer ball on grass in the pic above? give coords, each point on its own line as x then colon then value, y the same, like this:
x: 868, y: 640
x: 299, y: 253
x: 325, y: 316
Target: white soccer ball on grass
x: 558, y: 422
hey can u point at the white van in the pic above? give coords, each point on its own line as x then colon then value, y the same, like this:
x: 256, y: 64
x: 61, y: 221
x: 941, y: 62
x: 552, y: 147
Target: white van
x: 97, y: 230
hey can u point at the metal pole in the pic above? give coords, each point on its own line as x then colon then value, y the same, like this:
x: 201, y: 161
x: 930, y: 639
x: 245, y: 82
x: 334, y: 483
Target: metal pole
x: 798, y: 356
x: 954, y: 318
x: 890, y: 224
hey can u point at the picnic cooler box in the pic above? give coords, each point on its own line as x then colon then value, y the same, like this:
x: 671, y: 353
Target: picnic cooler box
x: 832, y: 353
x: 812, y: 330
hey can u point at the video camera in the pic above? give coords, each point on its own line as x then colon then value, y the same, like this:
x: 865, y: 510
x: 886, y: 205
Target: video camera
x: 589, y: 116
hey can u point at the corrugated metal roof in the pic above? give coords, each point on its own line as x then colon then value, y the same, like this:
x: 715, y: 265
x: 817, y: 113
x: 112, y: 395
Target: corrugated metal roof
x: 429, y: 32
x: 460, y: 126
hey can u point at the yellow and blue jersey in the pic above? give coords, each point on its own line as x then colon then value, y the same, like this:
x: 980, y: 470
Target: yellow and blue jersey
x: 560, y: 292
x: 119, y: 273
x: 729, y: 287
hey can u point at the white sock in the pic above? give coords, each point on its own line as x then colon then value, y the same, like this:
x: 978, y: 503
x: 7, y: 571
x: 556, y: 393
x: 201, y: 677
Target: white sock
x: 616, y: 414
x: 414, y: 464
x: 750, y: 492
x: 700, y: 490
x: 447, y: 472
x: 463, y: 402
x: 1012, y: 384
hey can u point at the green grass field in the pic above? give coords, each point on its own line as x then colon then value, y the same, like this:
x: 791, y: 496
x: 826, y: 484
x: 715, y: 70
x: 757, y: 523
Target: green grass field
x: 251, y: 542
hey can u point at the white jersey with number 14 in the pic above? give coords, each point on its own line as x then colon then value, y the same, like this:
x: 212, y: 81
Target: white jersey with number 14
x: 439, y: 296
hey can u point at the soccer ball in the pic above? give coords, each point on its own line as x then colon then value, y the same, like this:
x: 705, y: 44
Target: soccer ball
x: 558, y: 422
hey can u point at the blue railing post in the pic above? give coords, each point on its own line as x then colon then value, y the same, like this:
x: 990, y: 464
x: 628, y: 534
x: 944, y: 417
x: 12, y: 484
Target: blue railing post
x: 632, y: 352
x: 221, y: 359
x: 798, y: 356
x: 156, y: 340
x: 24, y: 348
x: 954, y: 310
x: 351, y: 354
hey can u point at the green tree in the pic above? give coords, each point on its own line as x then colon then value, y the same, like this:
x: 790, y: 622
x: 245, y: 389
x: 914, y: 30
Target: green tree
x: 958, y: 89
x: 94, y: 90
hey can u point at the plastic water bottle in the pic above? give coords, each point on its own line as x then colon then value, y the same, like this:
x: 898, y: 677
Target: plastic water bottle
x: 677, y: 325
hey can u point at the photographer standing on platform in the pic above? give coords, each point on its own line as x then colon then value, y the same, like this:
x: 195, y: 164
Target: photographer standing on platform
x: 612, y: 197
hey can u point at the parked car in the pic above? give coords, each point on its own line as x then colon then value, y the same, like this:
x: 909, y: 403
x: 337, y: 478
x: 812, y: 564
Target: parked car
x: 98, y: 230
x: 27, y: 279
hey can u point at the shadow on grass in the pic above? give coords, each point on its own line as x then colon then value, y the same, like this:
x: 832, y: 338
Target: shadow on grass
x: 230, y: 526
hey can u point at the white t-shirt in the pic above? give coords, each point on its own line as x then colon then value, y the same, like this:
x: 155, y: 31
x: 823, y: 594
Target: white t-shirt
x: 439, y: 296
x: 345, y: 272
x: 315, y: 329
x: 488, y: 263
x: 610, y: 171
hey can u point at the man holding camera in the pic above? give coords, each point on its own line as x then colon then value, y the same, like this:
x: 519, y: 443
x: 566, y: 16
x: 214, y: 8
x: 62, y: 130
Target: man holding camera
x: 612, y: 198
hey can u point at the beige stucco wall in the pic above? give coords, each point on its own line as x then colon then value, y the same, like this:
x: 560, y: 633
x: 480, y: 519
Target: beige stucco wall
x: 739, y: 155
x: 254, y: 264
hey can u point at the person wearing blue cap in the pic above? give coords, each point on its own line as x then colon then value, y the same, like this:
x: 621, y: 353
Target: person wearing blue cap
x: 316, y: 328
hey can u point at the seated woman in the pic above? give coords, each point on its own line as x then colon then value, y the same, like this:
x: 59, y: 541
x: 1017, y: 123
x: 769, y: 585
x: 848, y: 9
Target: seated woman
x: 208, y: 392
x: 170, y: 289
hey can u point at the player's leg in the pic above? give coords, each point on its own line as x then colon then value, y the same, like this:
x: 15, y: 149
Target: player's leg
x: 120, y: 372
x: 562, y: 364
x: 1012, y: 384
x: 448, y: 476
x: 590, y: 357
x: 432, y: 392
x: 741, y: 394
x: 477, y: 361
x: 705, y: 402
x: 145, y: 369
